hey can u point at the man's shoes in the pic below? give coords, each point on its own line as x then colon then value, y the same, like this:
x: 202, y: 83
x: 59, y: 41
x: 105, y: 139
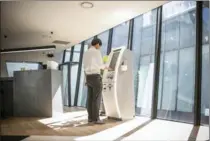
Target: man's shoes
x: 90, y: 120
x: 102, y: 114
x: 99, y: 122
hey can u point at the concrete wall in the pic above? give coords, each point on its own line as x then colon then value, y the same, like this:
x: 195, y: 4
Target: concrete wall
x: 37, y: 93
x: 27, y: 56
x: 6, y: 94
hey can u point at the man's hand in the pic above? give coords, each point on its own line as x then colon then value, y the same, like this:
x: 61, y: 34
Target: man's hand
x: 108, y: 68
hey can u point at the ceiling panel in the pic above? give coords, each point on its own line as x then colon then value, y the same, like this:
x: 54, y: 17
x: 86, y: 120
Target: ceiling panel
x: 31, y: 23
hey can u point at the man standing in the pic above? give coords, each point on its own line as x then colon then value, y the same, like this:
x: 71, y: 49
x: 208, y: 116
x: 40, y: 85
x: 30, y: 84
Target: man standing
x: 93, y: 64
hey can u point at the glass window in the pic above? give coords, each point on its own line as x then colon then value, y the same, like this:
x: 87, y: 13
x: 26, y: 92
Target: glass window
x: 172, y: 9
x: 120, y: 35
x: 76, y: 56
x: 82, y: 95
x: 104, y: 38
x: 67, y: 56
x: 88, y: 42
x: 187, y: 27
x: 18, y: 66
x: 205, y: 67
x: 74, y: 71
x: 65, y: 84
x: 136, y: 50
x: 169, y: 81
x: 143, y: 51
x: 176, y: 78
x: 171, y: 34
x: 185, y: 95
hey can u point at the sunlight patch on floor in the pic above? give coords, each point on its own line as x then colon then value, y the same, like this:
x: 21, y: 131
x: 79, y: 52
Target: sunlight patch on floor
x: 117, y: 131
x: 163, y: 130
x: 203, y: 133
x: 63, y: 117
x: 74, y: 122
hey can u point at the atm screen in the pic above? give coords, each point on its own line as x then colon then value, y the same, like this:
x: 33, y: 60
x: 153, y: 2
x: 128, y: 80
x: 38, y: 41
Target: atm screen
x: 114, y: 60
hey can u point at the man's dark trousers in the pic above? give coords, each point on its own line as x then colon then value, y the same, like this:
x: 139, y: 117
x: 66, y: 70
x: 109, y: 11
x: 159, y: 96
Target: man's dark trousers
x: 94, y: 84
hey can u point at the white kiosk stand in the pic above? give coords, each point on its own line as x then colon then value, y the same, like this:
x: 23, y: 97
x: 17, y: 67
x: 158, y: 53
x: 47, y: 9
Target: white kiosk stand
x: 118, y: 89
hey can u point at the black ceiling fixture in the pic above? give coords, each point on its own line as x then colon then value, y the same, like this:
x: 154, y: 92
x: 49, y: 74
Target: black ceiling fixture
x: 50, y: 55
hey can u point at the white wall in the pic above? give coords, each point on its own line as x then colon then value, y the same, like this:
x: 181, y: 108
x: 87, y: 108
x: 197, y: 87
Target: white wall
x: 27, y: 56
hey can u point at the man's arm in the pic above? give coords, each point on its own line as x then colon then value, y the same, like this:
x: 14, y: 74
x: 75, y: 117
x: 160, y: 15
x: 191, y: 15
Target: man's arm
x: 101, y: 63
x: 85, y: 81
x: 83, y: 65
x: 100, y: 60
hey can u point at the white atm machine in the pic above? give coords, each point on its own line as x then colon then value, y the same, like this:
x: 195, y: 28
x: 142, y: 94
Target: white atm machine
x: 118, y: 87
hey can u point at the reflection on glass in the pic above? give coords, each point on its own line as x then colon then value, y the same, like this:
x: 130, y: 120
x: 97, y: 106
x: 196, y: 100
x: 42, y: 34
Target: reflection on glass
x: 143, y: 51
x: 185, y: 97
x: 160, y: 82
x: 205, y: 67
x: 120, y: 35
x: 136, y: 51
x: 74, y: 71
x: 169, y: 81
x: 145, y: 92
x: 65, y: 84
x: 176, y: 78
x: 76, y: 56
x: 175, y: 8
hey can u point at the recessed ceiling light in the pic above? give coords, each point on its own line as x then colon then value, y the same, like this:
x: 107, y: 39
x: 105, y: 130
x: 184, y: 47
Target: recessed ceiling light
x: 87, y: 5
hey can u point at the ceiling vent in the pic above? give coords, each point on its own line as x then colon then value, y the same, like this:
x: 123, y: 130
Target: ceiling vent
x: 61, y: 42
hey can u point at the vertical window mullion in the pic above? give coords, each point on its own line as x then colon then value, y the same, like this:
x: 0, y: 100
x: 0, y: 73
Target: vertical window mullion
x: 110, y: 41
x: 64, y: 55
x: 79, y: 73
x: 69, y: 76
x: 130, y: 36
x: 157, y: 63
x: 198, y: 64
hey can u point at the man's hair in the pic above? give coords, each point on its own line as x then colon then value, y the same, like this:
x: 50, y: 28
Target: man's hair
x: 96, y: 41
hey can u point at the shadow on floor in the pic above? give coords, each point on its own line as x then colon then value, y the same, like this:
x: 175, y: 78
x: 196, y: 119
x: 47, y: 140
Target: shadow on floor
x: 78, y: 123
x: 13, y: 138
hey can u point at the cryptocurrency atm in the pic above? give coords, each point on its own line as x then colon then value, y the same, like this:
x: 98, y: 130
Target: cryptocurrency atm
x: 118, y: 88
